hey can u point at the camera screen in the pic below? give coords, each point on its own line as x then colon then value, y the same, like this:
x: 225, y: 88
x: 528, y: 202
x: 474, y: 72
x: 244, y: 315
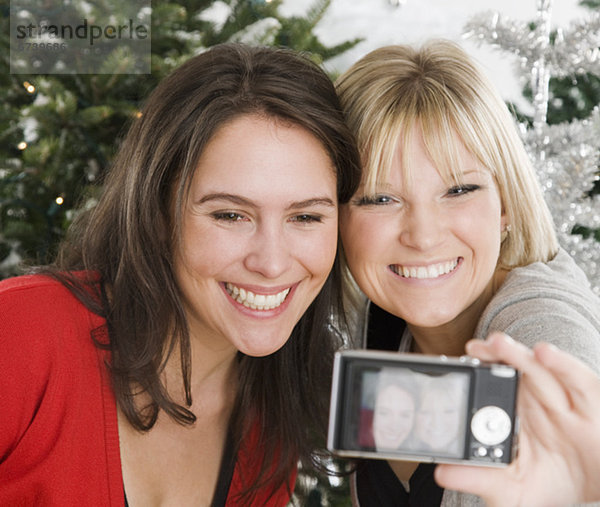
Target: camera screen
x: 393, y: 409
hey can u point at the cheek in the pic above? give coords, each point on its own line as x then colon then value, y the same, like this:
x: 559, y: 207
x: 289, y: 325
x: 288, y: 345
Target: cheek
x: 480, y: 227
x: 359, y: 236
x: 319, y: 253
x: 204, y: 251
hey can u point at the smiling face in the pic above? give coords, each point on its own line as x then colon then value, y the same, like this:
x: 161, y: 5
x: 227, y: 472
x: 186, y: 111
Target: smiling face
x: 259, y: 234
x: 439, y: 422
x: 422, y: 249
x: 393, y: 417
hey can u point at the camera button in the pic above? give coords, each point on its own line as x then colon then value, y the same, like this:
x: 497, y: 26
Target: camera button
x: 491, y: 425
x: 481, y: 451
x: 498, y: 453
x: 473, y: 361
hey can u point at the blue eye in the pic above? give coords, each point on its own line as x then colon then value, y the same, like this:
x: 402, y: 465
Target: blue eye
x: 462, y: 190
x: 373, y: 200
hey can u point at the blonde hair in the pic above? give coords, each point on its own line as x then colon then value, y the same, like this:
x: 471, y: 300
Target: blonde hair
x: 439, y: 89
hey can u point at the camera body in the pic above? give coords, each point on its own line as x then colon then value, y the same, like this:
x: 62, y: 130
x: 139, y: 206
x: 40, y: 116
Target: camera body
x: 389, y: 405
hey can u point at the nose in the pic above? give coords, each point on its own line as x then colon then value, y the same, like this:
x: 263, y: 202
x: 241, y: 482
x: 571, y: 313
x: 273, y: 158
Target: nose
x: 422, y: 227
x: 268, y: 253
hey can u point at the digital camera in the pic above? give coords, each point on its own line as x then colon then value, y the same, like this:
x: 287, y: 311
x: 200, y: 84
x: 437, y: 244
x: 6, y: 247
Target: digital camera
x: 389, y: 405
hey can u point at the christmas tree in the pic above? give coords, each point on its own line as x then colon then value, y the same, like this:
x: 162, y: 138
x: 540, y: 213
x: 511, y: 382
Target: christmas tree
x: 562, y: 68
x: 59, y: 132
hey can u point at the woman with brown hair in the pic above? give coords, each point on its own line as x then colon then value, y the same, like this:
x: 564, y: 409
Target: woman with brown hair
x: 179, y: 351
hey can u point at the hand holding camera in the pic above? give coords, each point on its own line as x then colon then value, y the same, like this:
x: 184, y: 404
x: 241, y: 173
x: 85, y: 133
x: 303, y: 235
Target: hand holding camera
x: 559, y: 443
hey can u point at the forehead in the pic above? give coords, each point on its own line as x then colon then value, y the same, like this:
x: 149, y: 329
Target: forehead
x: 392, y: 391
x: 407, y: 149
x: 256, y: 153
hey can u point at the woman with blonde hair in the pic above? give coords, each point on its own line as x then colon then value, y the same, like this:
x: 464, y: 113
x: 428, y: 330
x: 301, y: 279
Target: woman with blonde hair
x: 448, y: 235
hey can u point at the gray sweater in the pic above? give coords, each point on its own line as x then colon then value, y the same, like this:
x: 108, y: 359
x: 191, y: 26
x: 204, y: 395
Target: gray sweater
x: 549, y: 302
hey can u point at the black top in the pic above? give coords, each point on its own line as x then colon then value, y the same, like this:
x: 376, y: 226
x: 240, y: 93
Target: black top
x: 384, y: 330
x: 376, y: 483
x: 378, y: 486
x: 225, y: 475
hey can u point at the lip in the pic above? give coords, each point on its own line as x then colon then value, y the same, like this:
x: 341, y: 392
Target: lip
x: 426, y: 281
x: 266, y: 291
x: 259, y: 289
x: 428, y: 263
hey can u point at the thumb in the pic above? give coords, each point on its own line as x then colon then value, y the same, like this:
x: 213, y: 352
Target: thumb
x: 467, y: 479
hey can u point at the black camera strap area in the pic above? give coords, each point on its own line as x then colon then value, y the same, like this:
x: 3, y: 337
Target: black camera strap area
x: 376, y: 483
x: 378, y: 486
x: 384, y: 330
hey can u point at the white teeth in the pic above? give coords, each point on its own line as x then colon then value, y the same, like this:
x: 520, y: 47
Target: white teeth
x: 256, y: 301
x: 423, y: 272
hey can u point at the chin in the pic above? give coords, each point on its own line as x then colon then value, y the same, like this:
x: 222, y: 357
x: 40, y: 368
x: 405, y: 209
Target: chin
x: 427, y: 323
x: 261, y: 351
x: 430, y: 320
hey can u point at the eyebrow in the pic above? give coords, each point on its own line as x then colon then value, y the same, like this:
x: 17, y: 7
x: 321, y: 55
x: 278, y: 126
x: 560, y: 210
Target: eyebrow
x: 238, y: 199
x: 386, y: 185
x: 471, y: 171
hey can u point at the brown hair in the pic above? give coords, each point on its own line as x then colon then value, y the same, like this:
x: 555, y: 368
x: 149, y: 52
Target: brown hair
x: 127, y: 238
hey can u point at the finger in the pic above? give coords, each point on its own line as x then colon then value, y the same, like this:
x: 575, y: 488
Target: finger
x: 580, y: 381
x: 499, y: 347
x: 468, y: 479
x: 538, y: 423
x: 541, y: 382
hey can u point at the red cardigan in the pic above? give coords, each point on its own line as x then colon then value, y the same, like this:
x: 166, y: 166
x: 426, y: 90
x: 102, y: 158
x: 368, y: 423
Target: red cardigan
x: 59, y: 440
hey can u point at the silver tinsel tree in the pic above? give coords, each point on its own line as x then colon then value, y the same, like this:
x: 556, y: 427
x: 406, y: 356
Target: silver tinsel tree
x: 566, y: 156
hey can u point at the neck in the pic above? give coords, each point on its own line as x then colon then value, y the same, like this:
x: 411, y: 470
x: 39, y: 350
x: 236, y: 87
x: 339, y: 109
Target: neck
x: 450, y: 338
x: 438, y: 341
x: 213, y: 374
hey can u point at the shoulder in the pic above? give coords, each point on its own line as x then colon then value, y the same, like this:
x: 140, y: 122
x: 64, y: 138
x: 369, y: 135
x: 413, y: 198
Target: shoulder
x: 550, y: 302
x: 559, y: 276
x: 33, y: 301
x: 559, y: 283
x: 58, y: 412
x: 45, y: 331
x: 29, y: 288
x: 45, y: 337
x: 43, y: 325
x: 23, y: 284
x: 42, y: 320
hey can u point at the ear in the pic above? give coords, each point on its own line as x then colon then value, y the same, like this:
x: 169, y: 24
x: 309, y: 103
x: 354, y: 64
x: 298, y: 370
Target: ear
x: 504, y: 226
x: 503, y: 218
x: 503, y: 221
